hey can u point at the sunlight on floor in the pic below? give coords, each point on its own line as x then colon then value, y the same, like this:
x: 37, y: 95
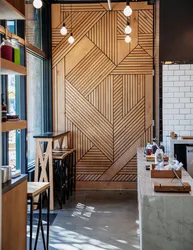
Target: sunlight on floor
x: 60, y: 238
x: 83, y: 212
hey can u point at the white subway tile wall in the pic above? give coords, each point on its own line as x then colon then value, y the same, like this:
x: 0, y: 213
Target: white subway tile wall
x: 177, y: 101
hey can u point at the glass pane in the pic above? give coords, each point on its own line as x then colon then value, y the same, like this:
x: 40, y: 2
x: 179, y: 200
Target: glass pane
x: 11, y: 95
x: 11, y: 26
x: 33, y: 25
x: 13, y: 108
x: 35, y: 102
x: 12, y: 148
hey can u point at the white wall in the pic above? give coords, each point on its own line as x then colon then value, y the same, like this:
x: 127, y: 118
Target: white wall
x: 177, y: 100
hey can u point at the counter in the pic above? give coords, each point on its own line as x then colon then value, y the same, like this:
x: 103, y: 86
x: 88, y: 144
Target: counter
x: 13, y: 182
x: 166, y: 219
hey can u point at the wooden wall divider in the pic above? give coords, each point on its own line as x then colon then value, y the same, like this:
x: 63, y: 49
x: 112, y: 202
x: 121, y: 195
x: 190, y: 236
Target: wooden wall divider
x: 103, y: 90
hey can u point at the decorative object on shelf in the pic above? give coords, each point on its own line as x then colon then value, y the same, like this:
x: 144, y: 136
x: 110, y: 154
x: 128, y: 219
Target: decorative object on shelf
x: 6, y: 50
x: 37, y: 4
x: 128, y: 29
x: 63, y: 30
x: 71, y: 38
x: 16, y: 51
x: 127, y: 11
x: 3, y: 110
x: 127, y: 39
x: 12, y: 117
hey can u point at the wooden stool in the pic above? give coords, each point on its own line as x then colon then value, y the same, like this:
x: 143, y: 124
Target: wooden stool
x: 35, y: 189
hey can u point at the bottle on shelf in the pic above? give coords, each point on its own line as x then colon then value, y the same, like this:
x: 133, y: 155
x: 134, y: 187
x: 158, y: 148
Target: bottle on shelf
x: 7, y: 50
x: 16, y: 51
x: 3, y: 110
x: 154, y: 147
x: 162, y: 147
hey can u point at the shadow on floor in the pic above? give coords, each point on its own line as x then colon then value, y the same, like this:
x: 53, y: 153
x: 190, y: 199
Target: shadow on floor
x: 96, y: 220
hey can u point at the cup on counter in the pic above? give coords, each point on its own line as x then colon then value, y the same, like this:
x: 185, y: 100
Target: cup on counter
x: 6, y: 173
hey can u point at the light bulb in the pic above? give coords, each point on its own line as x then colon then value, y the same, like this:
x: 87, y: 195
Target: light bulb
x: 63, y: 30
x: 127, y: 11
x: 128, y: 30
x: 37, y: 4
x: 127, y: 39
x: 71, y: 39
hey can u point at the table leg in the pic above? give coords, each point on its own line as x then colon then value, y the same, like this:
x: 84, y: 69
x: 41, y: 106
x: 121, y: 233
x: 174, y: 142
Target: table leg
x: 40, y: 225
x: 48, y: 219
x: 31, y: 223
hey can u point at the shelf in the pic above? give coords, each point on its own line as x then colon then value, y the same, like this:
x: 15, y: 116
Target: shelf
x: 13, y: 125
x: 10, y: 68
x: 9, y: 12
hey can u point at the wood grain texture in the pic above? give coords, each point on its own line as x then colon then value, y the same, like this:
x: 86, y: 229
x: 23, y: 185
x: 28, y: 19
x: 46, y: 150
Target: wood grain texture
x: 102, y: 85
x: 14, y: 218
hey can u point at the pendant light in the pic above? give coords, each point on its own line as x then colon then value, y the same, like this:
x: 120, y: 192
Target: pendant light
x: 71, y: 38
x: 128, y: 29
x: 63, y: 30
x: 127, y: 39
x: 37, y: 4
x: 127, y: 11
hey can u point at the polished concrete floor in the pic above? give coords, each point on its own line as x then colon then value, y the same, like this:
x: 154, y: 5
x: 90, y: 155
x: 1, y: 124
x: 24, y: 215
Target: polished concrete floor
x: 96, y: 220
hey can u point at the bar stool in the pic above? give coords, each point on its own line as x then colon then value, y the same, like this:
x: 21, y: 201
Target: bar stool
x: 64, y: 173
x: 35, y: 189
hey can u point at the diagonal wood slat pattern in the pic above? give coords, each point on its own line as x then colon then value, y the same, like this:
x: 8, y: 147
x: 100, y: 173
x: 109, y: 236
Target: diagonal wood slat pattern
x: 137, y: 62
x: 94, y: 68
x: 133, y: 91
x: 121, y: 23
x: 104, y: 35
x: 145, y: 21
x: 87, y: 20
x: 103, y: 88
x: 90, y: 122
x: 102, y: 98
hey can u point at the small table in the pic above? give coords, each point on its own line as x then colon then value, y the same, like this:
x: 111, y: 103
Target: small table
x: 45, y: 158
x: 35, y: 189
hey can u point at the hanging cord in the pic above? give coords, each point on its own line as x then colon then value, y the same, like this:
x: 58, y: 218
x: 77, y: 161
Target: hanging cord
x: 71, y: 18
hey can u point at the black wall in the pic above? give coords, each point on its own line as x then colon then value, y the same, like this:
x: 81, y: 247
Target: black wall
x: 176, y: 30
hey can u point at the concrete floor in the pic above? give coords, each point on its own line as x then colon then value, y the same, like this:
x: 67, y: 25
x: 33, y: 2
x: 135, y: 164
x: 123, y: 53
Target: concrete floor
x: 96, y: 220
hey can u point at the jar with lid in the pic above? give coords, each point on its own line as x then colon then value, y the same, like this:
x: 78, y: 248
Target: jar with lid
x: 6, y: 50
x: 16, y: 51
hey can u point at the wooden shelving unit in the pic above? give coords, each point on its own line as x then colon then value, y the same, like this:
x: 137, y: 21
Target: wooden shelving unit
x: 9, y: 12
x: 10, y: 68
x: 13, y: 125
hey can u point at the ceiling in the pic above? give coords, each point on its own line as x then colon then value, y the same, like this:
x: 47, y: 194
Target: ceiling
x: 95, y: 1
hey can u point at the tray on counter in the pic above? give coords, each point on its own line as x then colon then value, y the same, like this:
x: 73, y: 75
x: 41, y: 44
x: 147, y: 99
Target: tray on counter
x: 172, y: 187
x: 164, y: 173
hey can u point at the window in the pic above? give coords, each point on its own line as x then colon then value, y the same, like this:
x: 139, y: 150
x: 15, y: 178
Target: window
x: 34, y: 25
x: 35, y: 111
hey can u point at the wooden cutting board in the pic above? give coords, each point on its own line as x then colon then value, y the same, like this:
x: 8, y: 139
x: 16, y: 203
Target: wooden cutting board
x: 172, y: 187
x: 187, y: 137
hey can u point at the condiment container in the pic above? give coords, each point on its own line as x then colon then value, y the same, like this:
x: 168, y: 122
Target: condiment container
x: 7, y: 50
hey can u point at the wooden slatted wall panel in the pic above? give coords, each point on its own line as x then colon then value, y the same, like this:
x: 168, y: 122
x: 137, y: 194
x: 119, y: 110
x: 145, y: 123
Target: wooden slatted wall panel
x: 102, y: 89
